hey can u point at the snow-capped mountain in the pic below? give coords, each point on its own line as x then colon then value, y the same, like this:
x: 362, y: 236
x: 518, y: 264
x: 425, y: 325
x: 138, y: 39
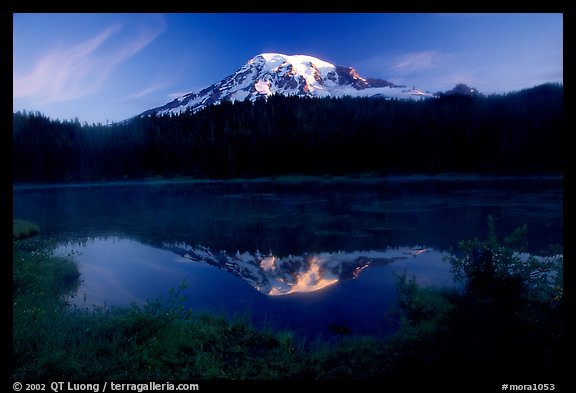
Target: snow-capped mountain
x: 275, y: 73
x: 275, y: 276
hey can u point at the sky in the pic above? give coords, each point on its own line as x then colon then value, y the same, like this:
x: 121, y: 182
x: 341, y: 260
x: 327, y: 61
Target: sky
x: 106, y: 67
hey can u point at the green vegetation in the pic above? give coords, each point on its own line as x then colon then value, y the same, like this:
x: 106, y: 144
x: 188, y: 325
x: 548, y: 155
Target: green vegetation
x: 22, y: 229
x: 159, y: 340
x: 512, y: 309
x: 516, y: 133
x: 508, y: 316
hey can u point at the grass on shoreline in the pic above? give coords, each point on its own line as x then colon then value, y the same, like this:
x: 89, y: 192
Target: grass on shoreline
x: 442, y: 334
x: 22, y: 229
x: 162, y: 340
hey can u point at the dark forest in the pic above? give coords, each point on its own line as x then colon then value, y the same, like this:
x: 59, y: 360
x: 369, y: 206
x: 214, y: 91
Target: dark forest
x: 516, y: 133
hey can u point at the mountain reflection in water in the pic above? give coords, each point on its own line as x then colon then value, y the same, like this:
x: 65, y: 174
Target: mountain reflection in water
x: 275, y: 276
x: 323, y: 293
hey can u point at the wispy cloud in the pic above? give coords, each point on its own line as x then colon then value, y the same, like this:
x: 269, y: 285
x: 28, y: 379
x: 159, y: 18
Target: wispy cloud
x: 73, y: 72
x: 417, y: 61
x: 144, y: 92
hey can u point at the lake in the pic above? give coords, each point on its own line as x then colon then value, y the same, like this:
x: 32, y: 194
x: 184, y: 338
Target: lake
x: 319, y: 256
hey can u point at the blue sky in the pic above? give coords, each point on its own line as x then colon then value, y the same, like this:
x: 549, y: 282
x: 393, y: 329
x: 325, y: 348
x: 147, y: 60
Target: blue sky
x: 109, y: 67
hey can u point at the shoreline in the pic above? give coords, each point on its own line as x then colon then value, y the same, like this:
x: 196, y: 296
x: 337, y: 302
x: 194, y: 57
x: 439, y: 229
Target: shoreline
x: 287, y: 179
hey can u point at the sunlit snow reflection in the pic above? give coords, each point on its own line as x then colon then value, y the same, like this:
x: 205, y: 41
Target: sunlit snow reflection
x: 274, y: 275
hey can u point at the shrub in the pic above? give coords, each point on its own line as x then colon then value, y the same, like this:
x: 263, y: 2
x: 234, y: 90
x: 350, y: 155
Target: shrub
x: 22, y: 229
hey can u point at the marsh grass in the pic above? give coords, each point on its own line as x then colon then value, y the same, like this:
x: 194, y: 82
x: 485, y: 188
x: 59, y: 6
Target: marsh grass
x: 158, y: 340
x: 22, y: 229
x: 441, y: 333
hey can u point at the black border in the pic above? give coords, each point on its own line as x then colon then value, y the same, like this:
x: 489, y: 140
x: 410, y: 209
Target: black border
x: 566, y: 7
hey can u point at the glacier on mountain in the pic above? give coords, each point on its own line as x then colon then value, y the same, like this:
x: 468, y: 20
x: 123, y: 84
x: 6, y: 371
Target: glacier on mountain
x: 300, y: 75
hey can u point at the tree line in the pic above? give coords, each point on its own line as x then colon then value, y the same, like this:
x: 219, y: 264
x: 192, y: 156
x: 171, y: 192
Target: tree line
x: 513, y: 133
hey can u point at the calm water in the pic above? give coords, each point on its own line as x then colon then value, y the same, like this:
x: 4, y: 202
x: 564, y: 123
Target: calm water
x: 308, y: 255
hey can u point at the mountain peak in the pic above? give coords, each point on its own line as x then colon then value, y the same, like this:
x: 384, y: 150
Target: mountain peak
x: 463, y: 90
x: 272, y: 59
x: 276, y: 73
